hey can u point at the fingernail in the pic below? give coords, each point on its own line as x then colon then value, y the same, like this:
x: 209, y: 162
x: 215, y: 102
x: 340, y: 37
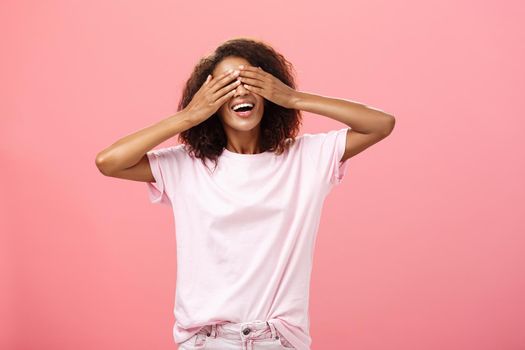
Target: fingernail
x: 230, y: 70
x: 241, y: 66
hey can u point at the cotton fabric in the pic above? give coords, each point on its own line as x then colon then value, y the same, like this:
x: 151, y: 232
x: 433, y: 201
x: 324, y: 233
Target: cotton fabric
x: 245, y: 231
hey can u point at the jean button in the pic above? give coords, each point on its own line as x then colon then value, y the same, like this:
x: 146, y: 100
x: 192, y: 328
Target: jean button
x: 246, y: 331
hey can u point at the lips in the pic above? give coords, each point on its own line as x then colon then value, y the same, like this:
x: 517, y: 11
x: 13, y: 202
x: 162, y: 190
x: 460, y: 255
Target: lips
x: 244, y: 114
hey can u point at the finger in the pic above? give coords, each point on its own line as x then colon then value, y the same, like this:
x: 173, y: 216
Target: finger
x: 226, y: 90
x: 215, y: 79
x: 253, y: 69
x: 254, y: 89
x: 250, y: 81
x: 225, y: 97
x: 253, y: 75
x: 207, y: 79
x: 222, y: 80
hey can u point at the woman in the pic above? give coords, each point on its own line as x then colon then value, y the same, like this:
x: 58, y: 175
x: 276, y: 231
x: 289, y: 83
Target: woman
x: 246, y: 229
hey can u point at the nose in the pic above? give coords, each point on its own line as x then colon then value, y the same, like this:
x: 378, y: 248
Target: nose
x: 240, y: 90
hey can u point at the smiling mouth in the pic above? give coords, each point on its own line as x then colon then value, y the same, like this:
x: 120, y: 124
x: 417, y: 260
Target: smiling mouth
x: 243, y: 107
x: 243, y: 112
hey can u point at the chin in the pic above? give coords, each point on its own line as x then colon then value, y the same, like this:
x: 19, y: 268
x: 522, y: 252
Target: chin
x: 241, y: 122
x: 242, y: 125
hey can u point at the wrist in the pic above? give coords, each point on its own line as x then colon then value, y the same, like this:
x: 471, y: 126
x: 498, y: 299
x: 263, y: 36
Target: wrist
x: 297, y: 100
x: 185, y: 118
x: 189, y: 117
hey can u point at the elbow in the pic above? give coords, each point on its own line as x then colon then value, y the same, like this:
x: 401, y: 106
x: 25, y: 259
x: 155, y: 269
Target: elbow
x: 389, y: 125
x: 101, y: 162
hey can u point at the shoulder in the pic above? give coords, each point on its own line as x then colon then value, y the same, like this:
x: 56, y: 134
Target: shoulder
x: 170, y: 150
x: 325, y: 144
x: 322, y: 136
x: 308, y: 141
x: 172, y: 154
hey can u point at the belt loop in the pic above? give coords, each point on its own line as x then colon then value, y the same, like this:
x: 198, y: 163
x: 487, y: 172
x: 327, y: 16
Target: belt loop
x: 213, y: 332
x: 272, y: 328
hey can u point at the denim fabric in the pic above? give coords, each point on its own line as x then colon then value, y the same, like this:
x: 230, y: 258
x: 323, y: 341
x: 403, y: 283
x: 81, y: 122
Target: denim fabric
x: 256, y: 335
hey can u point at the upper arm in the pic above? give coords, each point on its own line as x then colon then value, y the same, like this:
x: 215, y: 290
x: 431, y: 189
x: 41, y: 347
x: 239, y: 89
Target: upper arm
x: 139, y: 172
x: 357, y: 142
x: 160, y: 169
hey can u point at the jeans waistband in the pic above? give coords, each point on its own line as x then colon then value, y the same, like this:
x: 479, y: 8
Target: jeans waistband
x: 241, y: 331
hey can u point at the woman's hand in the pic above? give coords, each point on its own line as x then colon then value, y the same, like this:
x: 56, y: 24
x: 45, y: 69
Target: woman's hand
x: 256, y: 80
x: 213, y: 93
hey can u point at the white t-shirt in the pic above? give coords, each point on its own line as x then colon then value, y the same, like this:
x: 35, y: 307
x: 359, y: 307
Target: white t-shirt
x: 245, y: 233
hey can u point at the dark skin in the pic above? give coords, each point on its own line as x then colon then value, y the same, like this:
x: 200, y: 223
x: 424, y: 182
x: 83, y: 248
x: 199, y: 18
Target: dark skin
x: 368, y: 125
x: 126, y: 158
x: 242, y: 134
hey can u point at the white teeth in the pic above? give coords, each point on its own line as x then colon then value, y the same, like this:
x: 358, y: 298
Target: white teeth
x: 236, y: 107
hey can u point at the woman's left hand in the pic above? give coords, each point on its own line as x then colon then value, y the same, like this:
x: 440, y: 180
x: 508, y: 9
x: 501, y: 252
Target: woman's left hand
x: 256, y: 80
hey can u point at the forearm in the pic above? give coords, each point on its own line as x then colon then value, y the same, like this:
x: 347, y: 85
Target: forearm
x: 359, y: 117
x: 129, y: 150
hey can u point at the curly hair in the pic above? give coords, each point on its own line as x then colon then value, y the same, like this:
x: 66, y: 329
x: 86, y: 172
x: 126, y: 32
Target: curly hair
x: 279, y: 125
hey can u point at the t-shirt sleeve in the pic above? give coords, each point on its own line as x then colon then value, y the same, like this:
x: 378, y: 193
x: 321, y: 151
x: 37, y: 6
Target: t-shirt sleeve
x: 326, y: 150
x: 165, y: 166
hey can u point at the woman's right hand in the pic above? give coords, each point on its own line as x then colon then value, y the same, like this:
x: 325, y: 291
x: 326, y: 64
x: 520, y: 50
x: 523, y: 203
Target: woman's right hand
x: 213, y: 93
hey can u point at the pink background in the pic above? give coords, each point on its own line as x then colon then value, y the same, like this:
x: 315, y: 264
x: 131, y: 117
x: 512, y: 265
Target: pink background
x: 421, y: 246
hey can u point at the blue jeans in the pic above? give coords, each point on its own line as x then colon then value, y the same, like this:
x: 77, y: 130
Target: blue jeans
x: 255, y: 335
